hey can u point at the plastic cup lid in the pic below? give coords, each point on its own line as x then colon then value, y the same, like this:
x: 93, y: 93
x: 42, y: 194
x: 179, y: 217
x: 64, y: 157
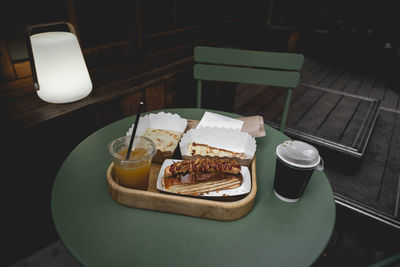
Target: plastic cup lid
x: 298, y: 154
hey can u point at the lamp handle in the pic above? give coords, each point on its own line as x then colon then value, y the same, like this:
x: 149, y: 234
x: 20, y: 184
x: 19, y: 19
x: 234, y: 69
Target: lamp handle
x: 34, y: 29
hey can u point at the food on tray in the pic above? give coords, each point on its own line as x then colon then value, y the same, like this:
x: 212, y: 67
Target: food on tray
x: 196, y: 149
x: 132, y: 172
x: 202, y: 175
x: 165, y: 140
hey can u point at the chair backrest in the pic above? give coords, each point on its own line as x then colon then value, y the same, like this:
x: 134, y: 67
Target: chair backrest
x: 245, y: 66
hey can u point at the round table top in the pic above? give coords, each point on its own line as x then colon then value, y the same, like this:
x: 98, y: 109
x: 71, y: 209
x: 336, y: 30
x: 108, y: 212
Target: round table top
x: 100, y: 232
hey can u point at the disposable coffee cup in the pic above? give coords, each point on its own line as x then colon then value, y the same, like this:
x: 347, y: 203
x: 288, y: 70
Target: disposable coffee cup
x: 295, y: 164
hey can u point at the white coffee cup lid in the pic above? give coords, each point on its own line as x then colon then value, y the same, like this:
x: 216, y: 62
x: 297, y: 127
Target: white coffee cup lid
x: 298, y: 154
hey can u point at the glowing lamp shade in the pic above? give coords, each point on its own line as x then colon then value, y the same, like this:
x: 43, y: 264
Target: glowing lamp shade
x: 61, y: 72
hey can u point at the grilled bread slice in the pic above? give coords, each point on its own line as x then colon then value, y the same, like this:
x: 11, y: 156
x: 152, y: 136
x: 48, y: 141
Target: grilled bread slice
x: 202, y: 175
x: 165, y: 140
x: 196, y: 149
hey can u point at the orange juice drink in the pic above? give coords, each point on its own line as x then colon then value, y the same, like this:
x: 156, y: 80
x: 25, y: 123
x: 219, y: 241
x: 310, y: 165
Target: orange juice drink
x: 132, y: 172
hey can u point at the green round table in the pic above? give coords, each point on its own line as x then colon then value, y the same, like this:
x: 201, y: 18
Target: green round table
x: 100, y: 232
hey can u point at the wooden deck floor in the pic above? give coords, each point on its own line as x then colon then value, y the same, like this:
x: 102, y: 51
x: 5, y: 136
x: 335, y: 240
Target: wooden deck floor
x: 332, y: 103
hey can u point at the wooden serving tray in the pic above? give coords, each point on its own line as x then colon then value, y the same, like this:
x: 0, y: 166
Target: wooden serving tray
x: 152, y: 199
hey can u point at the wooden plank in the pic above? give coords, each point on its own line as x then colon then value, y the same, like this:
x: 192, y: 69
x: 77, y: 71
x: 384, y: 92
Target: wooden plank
x: 6, y: 68
x: 308, y: 66
x: 275, y: 107
x: 390, y: 99
x: 331, y: 78
x: 310, y: 118
x: 15, y: 85
x: 245, y: 92
x: 324, y: 102
x: 301, y: 104
x: 338, y: 82
x: 355, y: 123
x: 320, y: 107
x: 378, y: 92
x: 366, y: 86
x: 155, y: 97
x: 354, y: 84
x: 342, y: 81
x: 16, y: 89
x: 30, y: 111
x: 389, y: 188
x: 316, y: 74
x: 130, y: 104
x: 269, y: 102
x: 262, y: 101
x: 171, y: 93
x: 301, y: 101
x: 369, y: 179
x: 337, y: 121
x: 22, y: 69
x: 310, y: 71
x: 307, y: 61
x: 342, y: 112
x: 254, y: 100
x: 293, y: 115
x: 365, y: 186
x: 315, y: 117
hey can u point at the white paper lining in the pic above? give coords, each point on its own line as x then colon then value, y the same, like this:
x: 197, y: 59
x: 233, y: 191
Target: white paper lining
x: 210, y: 119
x: 223, y: 138
x: 161, y: 120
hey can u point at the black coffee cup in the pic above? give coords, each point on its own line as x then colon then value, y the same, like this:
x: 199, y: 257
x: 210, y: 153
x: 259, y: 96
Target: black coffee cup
x: 295, y: 164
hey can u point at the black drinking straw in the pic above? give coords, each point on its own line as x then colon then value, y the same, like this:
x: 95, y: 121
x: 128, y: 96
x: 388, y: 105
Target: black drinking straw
x: 128, y: 153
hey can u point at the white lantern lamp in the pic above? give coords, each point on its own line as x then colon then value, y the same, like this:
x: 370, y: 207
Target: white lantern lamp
x: 59, y: 70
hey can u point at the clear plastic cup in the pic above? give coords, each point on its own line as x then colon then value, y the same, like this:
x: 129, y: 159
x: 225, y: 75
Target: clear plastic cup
x: 133, y: 172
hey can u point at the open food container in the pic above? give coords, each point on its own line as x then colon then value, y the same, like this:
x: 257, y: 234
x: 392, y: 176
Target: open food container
x: 164, y: 129
x: 218, y: 142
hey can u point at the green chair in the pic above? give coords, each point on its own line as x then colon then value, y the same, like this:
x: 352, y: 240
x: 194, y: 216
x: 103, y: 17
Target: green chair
x: 245, y: 66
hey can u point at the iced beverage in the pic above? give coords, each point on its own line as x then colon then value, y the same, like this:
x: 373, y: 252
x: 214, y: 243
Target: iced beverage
x: 132, y: 172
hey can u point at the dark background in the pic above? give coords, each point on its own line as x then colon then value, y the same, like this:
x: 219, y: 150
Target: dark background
x: 361, y: 34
